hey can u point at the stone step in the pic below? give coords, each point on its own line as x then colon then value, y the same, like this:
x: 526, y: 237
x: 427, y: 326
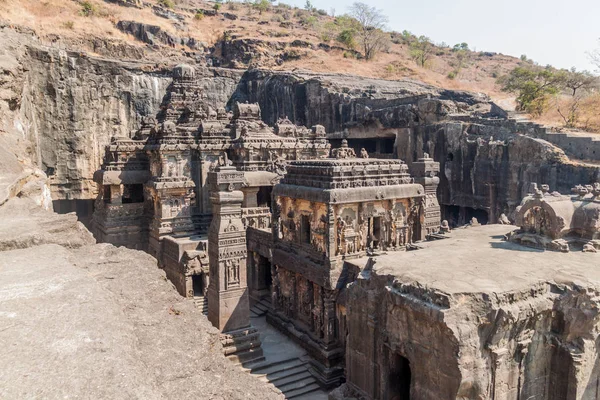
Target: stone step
x: 303, y: 390
x: 279, y: 366
x: 261, y: 307
x: 266, y: 302
x: 247, y: 356
x: 276, y: 376
x: 293, y: 378
x: 258, y: 311
x: 297, y: 384
x: 253, y: 314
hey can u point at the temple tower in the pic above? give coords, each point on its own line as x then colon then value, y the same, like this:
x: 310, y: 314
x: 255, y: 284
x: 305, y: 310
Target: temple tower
x: 228, y: 301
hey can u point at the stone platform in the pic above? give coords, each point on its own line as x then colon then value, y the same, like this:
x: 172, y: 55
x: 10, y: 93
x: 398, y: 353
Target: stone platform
x: 477, y: 259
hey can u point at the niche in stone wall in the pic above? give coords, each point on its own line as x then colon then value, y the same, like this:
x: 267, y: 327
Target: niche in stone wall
x: 133, y: 193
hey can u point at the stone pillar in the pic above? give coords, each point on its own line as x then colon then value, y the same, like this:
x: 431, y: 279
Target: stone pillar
x: 250, y: 197
x: 329, y: 317
x: 425, y: 171
x: 228, y: 303
x: 115, y: 194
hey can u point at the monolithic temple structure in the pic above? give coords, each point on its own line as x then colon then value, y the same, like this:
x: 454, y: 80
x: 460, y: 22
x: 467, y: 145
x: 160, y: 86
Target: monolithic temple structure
x: 334, y: 235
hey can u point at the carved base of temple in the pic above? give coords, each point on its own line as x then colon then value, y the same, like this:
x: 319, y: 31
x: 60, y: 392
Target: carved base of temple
x: 564, y: 245
x: 242, y: 346
x: 326, y: 365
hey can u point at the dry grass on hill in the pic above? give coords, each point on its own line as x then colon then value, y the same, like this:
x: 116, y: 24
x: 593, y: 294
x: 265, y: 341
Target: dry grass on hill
x: 65, y: 18
x: 282, y: 23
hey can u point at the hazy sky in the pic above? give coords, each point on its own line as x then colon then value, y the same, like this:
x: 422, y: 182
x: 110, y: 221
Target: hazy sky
x: 556, y: 32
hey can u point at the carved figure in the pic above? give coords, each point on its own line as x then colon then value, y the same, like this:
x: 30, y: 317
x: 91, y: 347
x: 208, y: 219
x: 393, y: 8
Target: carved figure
x: 503, y: 220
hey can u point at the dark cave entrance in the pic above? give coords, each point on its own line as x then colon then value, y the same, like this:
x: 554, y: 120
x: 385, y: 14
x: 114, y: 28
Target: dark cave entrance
x: 263, y: 197
x: 197, y: 284
x: 459, y: 216
x: 399, y: 378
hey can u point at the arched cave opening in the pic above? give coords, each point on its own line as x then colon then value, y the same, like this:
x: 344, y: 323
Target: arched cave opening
x: 399, y: 378
x: 459, y: 216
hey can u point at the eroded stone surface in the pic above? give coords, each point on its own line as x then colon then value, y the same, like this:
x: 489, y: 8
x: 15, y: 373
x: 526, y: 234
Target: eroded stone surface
x: 103, y: 322
x: 474, y: 317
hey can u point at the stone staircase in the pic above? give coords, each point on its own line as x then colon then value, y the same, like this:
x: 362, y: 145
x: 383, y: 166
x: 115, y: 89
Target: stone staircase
x: 291, y: 376
x: 260, y: 308
x: 201, y: 302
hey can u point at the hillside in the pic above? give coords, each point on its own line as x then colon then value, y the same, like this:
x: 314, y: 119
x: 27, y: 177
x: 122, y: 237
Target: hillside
x: 281, y: 38
x: 238, y: 35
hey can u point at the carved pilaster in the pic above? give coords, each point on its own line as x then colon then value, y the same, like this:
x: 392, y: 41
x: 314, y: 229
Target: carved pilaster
x: 229, y: 308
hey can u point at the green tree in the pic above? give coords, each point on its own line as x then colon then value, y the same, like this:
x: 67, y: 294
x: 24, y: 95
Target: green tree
x: 574, y: 80
x: 261, y: 5
x: 461, y: 47
x: 370, y: 34
x: 576, y: 84
x: 533, y: 86
x: 346, y: 28
x: 421, y: 50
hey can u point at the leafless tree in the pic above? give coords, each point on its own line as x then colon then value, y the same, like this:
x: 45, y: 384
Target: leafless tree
x: 370, y: 30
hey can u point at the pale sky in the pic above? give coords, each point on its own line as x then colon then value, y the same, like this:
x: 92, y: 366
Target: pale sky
x: 556, y: 32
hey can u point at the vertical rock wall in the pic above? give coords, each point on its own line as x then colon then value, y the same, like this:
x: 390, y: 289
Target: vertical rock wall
x: 489, y: 167
x: 538, y: 343
x: 73, y: 104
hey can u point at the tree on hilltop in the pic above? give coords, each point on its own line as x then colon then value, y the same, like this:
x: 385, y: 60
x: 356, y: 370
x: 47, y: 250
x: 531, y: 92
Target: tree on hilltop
x: 421, y: 50
x: 533, y: 86
x: 370, y: 25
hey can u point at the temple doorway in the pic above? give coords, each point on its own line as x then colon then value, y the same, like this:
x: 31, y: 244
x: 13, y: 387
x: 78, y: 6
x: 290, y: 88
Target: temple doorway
x: 375, y: 232
x: 261, y: 280
x: 197, y: 285
x: 399, y: 378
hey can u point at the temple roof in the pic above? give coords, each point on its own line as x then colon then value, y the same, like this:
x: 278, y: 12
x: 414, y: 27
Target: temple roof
x: 347, y: 173
x: 348, y: 180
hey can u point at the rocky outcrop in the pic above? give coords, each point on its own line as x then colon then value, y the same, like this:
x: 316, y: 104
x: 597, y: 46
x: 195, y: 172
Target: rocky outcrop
x: 340, y: 102
x: 449, y: 331
x: 73, y: 104
x: 61, y: 108
x: 154, y: 35
x: 489, y: 165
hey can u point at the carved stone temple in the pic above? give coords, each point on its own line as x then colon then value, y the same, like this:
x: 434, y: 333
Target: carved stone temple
x: 240, y: 213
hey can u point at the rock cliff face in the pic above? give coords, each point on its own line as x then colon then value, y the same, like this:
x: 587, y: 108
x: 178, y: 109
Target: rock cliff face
x: 73, y: 104
x: 340, y: 102
x: 66, y: 106
x: 489, y: 167
x: 518, y: 325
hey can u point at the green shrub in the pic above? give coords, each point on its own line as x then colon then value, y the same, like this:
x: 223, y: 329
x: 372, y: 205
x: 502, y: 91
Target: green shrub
x: 451, y: 75
x: 68, y: 24
x: 346, y: 37
x: 166, y: 3
x: 88, y: 9
x: 199, y: 15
